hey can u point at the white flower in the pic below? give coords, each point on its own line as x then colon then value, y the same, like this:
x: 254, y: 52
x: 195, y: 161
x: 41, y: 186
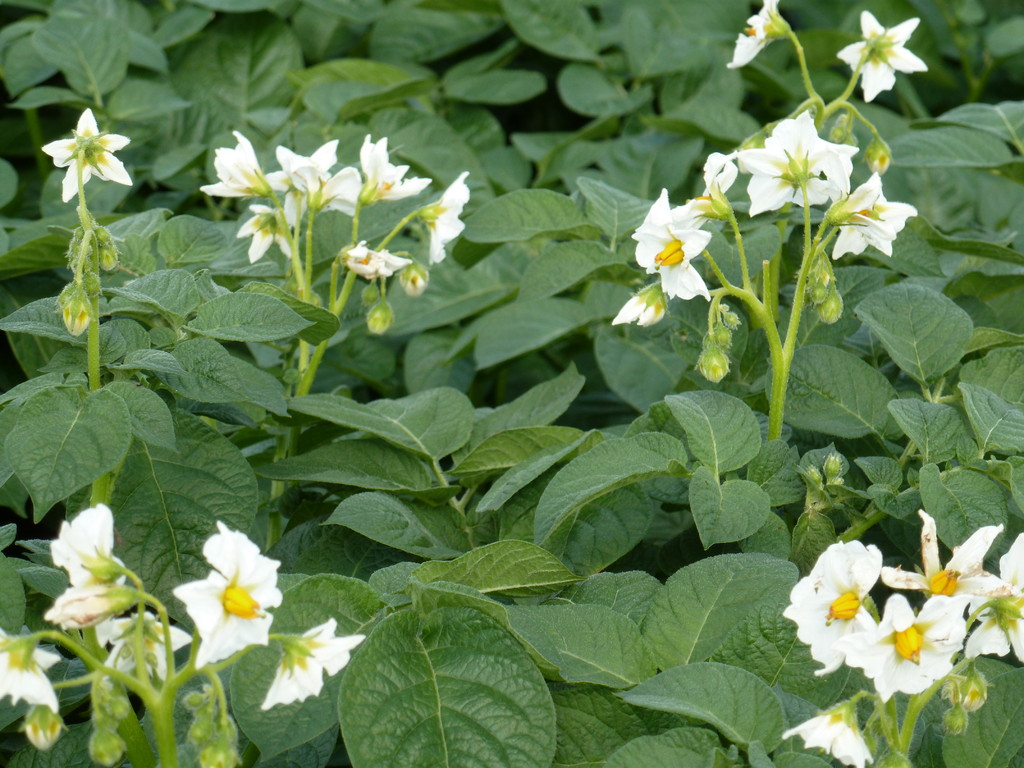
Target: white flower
x: 757, y: 35
x: 836, y: 732
x: 719, y: 174
x: 871, y: 220
x: 306, y: 659
x: 646, y: 308
x: 443, y: 217
x: 265, y: 228
x: 43, y: 727
x: 229, y: 606
x: 908, y: 653
x: 667, y: 242
x: 22, y: 671
x: 97, y: 149
x: 83, y: 548
x: 120, y: 634
x: 414, y: 279
x: 1001, y: 626
x: 884, y: 52
x: 829, y: 602
x: 964, y: 574
x: 80, y: 607
x: 308, y: 181
x: 792, y: 154
x: 239, y: 172
x: 384, y: 181
x: 373, y: 264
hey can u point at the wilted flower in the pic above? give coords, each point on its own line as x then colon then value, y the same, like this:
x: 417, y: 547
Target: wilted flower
x: 442, y: 217
x: 867, y: 218
x: 305, y: 661
x: 762, y: 27
x: 793, y: 155
x: 667, y: 241
x: 384, y: 181
x: 883, y: 54
x: 837, y: 732
x: 907, y: 653
x: 373, y: 264
x: 229, y: 606
x: 80, y: 607
x: 22, y: 671
x: 95, y: 151
x: 265, y: 228
x: 645, y: 308
x: 239, y: 172
x: 963, y: 575
x: 829, y: 602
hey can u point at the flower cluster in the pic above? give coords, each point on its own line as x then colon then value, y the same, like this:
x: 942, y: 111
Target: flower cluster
x: 229, y: 608
x: 905, y: 650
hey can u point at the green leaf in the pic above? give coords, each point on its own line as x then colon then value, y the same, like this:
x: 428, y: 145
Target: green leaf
x: 949, y: 147
x: 728, y: 512
x: 170, y: 292
x: 606, y: 529
x: 735, y: 702
x: 638, y: 368
x: 322, y: 324
x: 62, y: 442
x: 537, y: 407
x: 766, y: 644
x: 313, y: 601
x: 721, y: 431
x: 453, y: 689
x: 703, y: 602
x: 430, y: 532
x: 150, y: 417
x: 563, y: 265
x: 186, y: 240
x: 525, y: 214
x: 213, y: 375
x: 1000, y: 371
x: 36, y: 255
x: 503, y: 86
x: 432, y: 423
x: 166, y: 502
x: 90, y: 52
x: 834, y: 392
x: 246, y: 317
x: 924, y: 332
x: 515, y: 329
x: 560, y: 28
x: 613, y: 464
x: 961, y: 501
x: 679, y: 746
x: 589, y: 91
x: 8, y: 533
x: 937, y: 429
x: 774, y: 470
x: 616, y: 212
x: 1005, y: 120
x: 629, y: 592
x: 998, y: 425
x: 512, y: 568
x: 992, y: 739
x: 359, y: 463
x: 509, y: 449
x: 587, y: 644
x: 12, y: 598
x: 424, y: 35
x: 965, y: 245
x: 141, y: 100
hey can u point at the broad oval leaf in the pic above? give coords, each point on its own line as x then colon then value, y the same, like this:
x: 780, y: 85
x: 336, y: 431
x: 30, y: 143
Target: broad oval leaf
x: 722, y: 432
x: 513, y: 568
x: 525, y: 214
x: 431, y: 532
x: 961, y: 501
x: 937, y: 429
x: 729, y: 511
x: 998, y: 425
x: 992, y: 739
x: 359, y: 463
x: 247, y: 317
x: 677, y: 747
x: 454, y: 690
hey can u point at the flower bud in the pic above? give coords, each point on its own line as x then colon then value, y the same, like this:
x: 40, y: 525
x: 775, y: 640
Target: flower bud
x: 955, y: 720
x: 713, y: 363
x: 107, y: 249
x: 380, y: 317
x: 43, y: 727
x: 74, y: 307
x: 106, y: 747
x: 722, y: 337
x: 895, y: 760
x: 219, y: 754
x: 80, y: 607
x: 371, y: 293
x: 91, y: 284
x: 729, y: 318
x: 414, y: 279
x: 831, y: 309
x: 201, y: 730
x: 756, y: 141
x: 833, y: 469
x: 878, y: 156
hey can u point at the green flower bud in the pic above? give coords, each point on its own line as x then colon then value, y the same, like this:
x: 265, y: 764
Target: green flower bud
x: 110, y: 703
x: 722, y: 337
x: 729, y: 318
x: 201, y: 730
x: 91, y: 284
x: 371, y: 293
x: 895, y: 760
x: 74, y: 308
x: 43, y: 727
x: 380, y: 317
x: 713, y: 364
x: 833, y: 469
x: 107, y: 249
x: 414, y: 279
x: 831, y: 309
x: 878, y: 156
x: 842, y: 132
x: 220, y: 754
x: 106, y: 747
x: 955, y: 720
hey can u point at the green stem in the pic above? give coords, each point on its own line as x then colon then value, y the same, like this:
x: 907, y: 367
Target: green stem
x: 805, y: 72
x: 309, y: 374
x: 140, y: 754
x: 916, y: 705
x: 841, y: 100
x: 858, y: 529
x: 162, y: 716
x: 399, y: 227
x: 35, y: 135
x: 308, y: 277
x: 740, y: 250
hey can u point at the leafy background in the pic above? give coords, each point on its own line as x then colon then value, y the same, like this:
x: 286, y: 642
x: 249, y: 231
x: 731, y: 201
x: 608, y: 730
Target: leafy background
x: 531, y: 512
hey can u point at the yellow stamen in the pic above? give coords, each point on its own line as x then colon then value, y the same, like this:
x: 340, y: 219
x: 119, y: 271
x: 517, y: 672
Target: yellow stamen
x: 671, y: 255
x: 844, y: 607
x: 944, y: 582
x: 750, y: 32
x: 908, y: 644
x: 240, y: 603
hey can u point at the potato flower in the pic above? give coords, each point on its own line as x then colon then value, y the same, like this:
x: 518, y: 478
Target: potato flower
x: 385, y: 181
x: 23, y: 666
x: 239, y: 172
x: 761, y: 29
x: 836, y: 732
x: 96, y: 152
x: 667, y: 241
x: 867, y: 218
x: 442, y: 217
x: 83, y: 548
x: 882, y: 54
x: 373, y: 264
x: 1001, y: 625
x: 306, y: 658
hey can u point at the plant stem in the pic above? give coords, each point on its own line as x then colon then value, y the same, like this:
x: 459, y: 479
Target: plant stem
x: 399, y: 227
x: 804, y: 71
x: 140, y: 754
x: 162, y: 715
